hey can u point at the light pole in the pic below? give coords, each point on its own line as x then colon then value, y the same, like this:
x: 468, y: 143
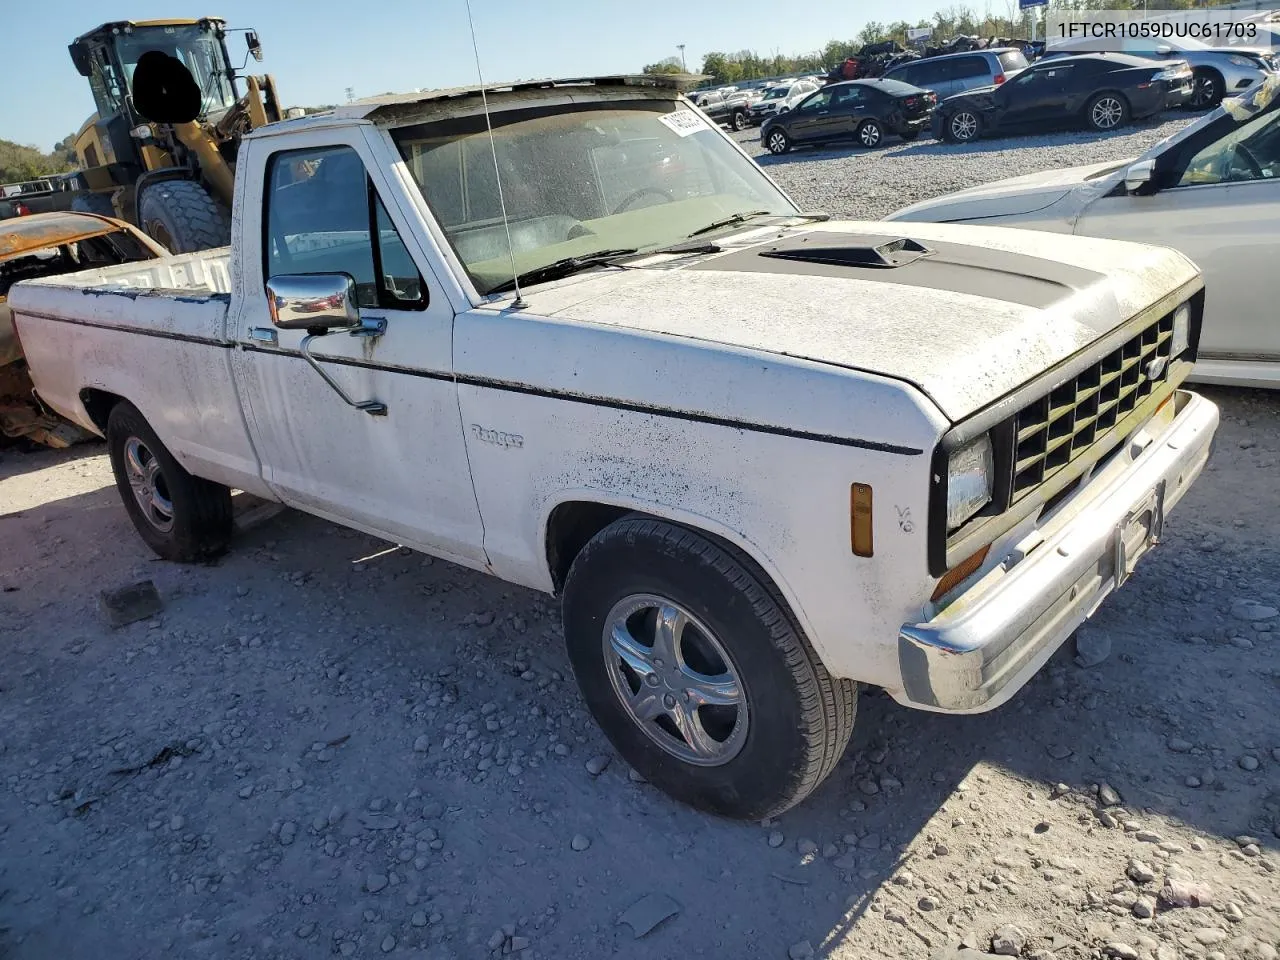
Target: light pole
x: 683, y: 65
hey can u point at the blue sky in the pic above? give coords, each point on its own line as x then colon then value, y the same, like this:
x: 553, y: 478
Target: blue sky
x: 317, y: 49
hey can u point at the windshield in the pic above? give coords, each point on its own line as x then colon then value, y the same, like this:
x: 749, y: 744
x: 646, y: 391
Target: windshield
x: 605, y: 176
x: 198, y: 49
x: 776, y: 93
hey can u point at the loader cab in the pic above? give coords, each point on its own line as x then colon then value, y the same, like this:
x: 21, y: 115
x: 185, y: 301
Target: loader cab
x: 117, y: 137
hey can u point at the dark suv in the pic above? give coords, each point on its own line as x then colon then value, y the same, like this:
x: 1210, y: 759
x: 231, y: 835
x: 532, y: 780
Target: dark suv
x: 863, y: 111
x: 954, y: 73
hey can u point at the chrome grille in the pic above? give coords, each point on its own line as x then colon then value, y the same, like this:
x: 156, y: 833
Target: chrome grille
x: 1054, y: 430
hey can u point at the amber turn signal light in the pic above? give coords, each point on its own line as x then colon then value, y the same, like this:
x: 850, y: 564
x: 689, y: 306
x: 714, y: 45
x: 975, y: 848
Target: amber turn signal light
x: 860, y: 518
x: 959, y: 572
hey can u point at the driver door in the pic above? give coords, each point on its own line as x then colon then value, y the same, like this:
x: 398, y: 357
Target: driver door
x: 402, y: 475
x: 1221, y: 209
x: 813, y: 119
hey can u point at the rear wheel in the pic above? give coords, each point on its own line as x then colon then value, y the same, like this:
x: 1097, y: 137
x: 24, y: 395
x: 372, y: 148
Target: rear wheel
x: 778, y: 142
x: 182, y: 518
x: 180, y: 215
x: 962, y: 126
x: 693, y: 667
x: 1207, y: 89
x: 870, y: 134
x: 1106, y: 112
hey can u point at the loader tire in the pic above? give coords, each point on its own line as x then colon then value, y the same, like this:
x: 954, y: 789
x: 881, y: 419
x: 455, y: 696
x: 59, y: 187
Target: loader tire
x: 180, y: 215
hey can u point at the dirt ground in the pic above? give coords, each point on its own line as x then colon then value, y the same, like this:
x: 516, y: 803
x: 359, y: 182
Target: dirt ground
x: 325, y: 746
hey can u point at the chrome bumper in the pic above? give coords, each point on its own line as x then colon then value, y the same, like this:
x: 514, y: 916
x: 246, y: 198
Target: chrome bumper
x: 982, y: 648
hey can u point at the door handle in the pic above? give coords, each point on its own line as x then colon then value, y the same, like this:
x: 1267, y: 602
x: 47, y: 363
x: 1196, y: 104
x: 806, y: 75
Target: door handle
x: 263, y: 335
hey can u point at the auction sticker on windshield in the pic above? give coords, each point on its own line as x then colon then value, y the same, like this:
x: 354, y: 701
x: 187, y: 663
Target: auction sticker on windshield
x: 684, y: 122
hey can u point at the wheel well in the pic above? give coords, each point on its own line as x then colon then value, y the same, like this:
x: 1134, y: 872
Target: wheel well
x: 1211, y: 71
x: 98, y: 404
x: 1108, y: 93
x: 569, y: 528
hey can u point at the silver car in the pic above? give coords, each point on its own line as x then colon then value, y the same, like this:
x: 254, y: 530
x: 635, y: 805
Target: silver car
x: 954, y: 73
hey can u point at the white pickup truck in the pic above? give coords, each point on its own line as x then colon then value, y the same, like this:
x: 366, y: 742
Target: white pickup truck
x: 764, y: 457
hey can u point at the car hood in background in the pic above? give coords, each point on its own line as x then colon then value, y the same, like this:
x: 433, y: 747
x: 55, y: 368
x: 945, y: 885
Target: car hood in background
x: 1017, y: 196
x: 982, y: 315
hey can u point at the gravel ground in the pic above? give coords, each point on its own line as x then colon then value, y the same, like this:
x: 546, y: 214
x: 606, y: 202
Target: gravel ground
x: 325, y: 746
x: 855, y: 183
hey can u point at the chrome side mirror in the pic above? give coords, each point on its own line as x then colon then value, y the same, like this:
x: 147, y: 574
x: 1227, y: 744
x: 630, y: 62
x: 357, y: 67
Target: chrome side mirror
x: 313, y: 301
x: 322, y: 303
x: 1140, y: 176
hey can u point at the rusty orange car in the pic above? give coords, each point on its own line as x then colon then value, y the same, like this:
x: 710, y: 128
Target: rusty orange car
x: 42, y: 245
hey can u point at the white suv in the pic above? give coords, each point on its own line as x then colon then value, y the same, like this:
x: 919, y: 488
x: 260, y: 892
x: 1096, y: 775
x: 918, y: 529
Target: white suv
x: 780, y: 98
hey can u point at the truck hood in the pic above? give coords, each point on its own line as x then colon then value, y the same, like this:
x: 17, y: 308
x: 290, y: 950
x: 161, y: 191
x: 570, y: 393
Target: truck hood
x: 1017, y: 196
x: 981, y: 313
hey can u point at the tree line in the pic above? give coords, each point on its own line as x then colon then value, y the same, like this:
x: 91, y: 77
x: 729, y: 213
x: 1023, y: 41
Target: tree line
x: 19, y: 162
x: 946, y: 23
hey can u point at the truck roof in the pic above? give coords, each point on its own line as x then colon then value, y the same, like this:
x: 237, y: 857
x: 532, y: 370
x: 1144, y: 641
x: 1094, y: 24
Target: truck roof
x: 469, y: 97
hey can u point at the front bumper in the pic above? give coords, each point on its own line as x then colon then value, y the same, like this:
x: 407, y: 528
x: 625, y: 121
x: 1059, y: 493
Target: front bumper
x: 1178, y: 94
x: 980, y: 650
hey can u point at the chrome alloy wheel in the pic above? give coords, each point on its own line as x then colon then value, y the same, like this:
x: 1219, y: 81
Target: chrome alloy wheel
x: 675, y: 680
x: 1107, y: 113
x: 964, y: 126
x: 148, y: 484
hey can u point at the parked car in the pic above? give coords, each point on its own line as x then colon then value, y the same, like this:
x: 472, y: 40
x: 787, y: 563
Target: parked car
x: 779, y: 99
x: 855, y: 475
x: 1211, y: 191
x: 729, y: 106
x: 48, y: 245
x: 1103, y: 91
x: 1216, y: 72
x: 863, y: 111
x: 955, y: 73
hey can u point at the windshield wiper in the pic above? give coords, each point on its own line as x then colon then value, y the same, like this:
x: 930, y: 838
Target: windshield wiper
x: 752, y: 214
x: 568, y: 266
x: 730, y: 221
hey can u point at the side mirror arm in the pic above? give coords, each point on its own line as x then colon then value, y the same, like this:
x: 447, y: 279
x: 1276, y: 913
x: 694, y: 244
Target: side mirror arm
x: 368, y: 328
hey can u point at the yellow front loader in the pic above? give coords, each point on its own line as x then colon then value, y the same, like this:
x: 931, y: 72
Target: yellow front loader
x: 160, y: 151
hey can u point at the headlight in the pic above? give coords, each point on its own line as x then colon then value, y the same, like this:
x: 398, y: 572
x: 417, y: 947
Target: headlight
x: 1181, y: 330
x: 1240, y: 61
x: 969, y: 472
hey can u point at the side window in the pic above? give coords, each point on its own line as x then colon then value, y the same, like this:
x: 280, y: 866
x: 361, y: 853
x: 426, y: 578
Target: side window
x: 320, y: 205
x: 966, y: 67
x: 928, y: 74
x: 815, y: 102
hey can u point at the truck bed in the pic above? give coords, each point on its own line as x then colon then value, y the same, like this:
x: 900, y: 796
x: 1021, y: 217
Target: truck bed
x: 154, y: 332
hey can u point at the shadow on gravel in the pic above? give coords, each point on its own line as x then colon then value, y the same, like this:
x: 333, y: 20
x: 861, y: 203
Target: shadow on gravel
x: 19, y: 458
x: 371, y: 699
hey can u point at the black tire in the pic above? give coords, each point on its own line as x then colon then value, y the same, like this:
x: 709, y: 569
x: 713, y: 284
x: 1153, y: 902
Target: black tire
x: 963, y: 126
x: 798, y: 718
x: 777, y: 142
x: 1207, y: 89
x: 739, y: 120
x: 180, y: 215
x: 99, y: 203
x: 1106, y: 111
x: 871, y: 134
x: 199, y: 510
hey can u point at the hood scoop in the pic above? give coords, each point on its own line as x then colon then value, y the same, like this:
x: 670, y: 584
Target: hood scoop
x: 879, y: 252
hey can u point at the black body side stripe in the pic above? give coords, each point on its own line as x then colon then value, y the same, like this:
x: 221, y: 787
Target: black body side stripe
x: 510, y: 386
x: 140, y: 331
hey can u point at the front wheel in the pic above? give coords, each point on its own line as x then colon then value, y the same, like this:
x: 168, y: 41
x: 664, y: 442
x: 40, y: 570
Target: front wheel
x: 1207, y: 90
x: 870, y: 134
x: 181, y: 517
x: 694, y: 668
x: 739, y: 120
x: 778, y: 142
x: 1107, y: 112
x: 182, y: 217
